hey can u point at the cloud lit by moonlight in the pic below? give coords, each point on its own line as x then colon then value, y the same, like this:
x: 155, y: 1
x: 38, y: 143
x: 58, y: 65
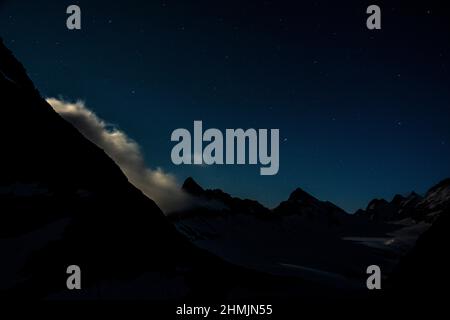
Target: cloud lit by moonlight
x: 158, y: 185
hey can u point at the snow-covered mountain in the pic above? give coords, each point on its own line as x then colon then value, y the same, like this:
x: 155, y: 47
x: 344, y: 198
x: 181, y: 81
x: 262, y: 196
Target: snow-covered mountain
x: 414, y: 206
x: 304, y: 236
x: 398, y: 208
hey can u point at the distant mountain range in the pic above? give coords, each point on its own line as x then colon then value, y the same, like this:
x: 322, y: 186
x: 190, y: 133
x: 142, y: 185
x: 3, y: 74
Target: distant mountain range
x: 301, y: 203
x: 307, y: 237
x: 428, y: 207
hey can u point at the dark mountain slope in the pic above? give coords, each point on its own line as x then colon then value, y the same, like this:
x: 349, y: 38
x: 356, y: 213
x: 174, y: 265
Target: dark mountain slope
x: 427, y: 208
x: 63, y: 201
x: 422, y: 275
x: 42, y: 151
x: 305, y: 206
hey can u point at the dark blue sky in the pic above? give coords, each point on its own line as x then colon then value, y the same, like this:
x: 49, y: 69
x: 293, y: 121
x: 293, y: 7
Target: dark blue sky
x: 361, y: 113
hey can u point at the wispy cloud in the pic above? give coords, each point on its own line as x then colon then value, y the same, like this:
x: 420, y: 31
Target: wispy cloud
x: 160, y: 186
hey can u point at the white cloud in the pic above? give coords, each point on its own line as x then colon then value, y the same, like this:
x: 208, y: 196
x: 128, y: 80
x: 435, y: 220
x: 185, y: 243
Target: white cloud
x: 158, y: 185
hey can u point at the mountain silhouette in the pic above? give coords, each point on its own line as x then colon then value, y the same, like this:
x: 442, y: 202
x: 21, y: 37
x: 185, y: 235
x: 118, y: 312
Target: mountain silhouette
x: 303, y: 236
x: 218, y: 202
x: 63, y: 201
x: 300, y: 207
x: 301, y: 203
x: 414, y: 206
x: 421, y: 275
x: 308, y: 237
x: 192, y: 187
x: 52, y: 175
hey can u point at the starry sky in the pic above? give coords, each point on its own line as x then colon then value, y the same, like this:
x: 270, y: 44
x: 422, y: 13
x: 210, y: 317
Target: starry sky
x: 361, y: 113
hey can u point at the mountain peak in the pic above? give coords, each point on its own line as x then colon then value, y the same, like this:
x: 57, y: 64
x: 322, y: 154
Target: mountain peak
x: 413, y: 194
x: 376, y: 204
x: 13, y: 71
x: 192, y: 187
x: 438, y: 197
x: 441, y: 185
x: 300, y: 195
x: 398, y: 198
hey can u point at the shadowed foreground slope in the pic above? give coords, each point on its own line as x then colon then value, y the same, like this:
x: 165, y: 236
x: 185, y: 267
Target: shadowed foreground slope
x: 63, y: 201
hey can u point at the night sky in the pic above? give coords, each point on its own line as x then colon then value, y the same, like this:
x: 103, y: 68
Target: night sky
x: 361, y: 113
